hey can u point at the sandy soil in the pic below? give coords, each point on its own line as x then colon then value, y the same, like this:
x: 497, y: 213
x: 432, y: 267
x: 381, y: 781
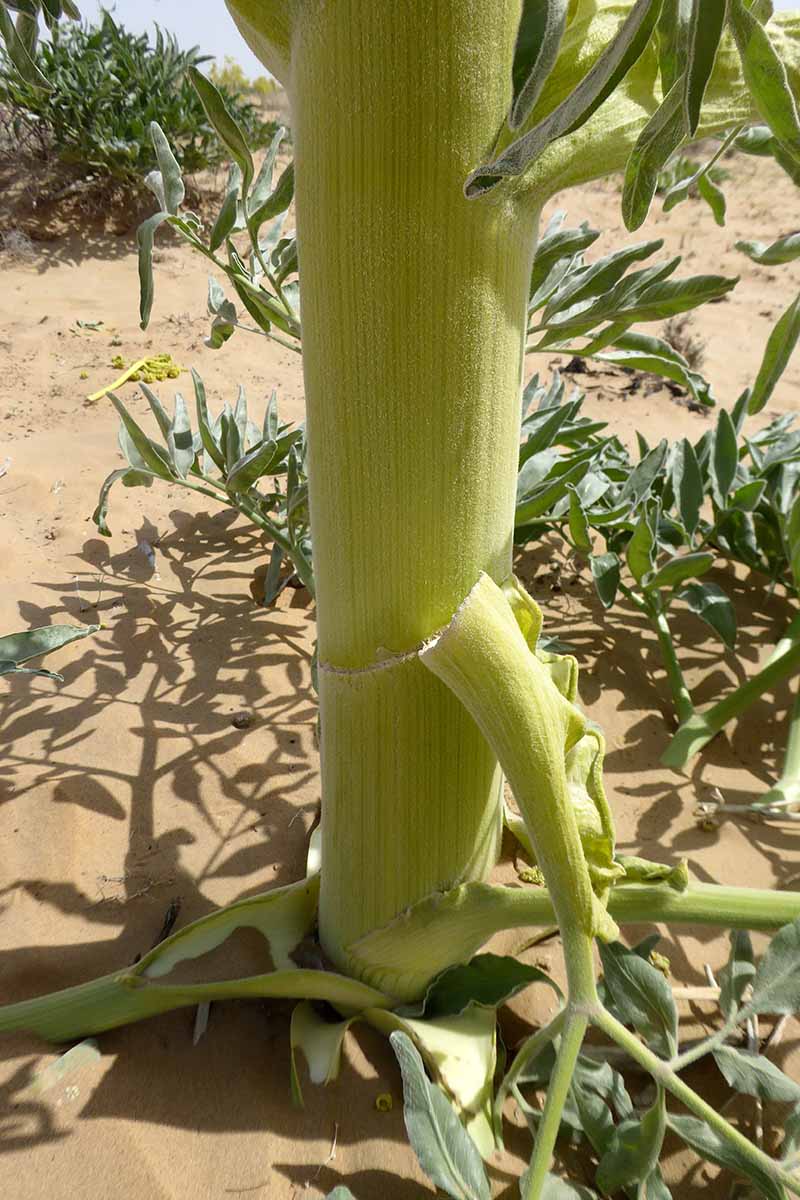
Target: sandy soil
x: 128, y: 788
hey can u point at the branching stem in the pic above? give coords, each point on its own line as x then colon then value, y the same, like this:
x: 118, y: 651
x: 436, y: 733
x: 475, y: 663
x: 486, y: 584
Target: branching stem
x: 665, y: 1075
x: 557, y: 1092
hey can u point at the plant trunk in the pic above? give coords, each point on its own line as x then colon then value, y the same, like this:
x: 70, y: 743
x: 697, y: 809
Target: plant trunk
x: 414, y: 306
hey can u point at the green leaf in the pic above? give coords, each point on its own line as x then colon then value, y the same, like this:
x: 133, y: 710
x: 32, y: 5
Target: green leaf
x: 714, y: 197
x: 780, y: 346
x: 746, y: 497
x: 263, y: 183
x: 157, y: 409
x: 180, y: 441
x: 229, y: 132
x: 605, y: 572
x: 776, y: 984
x: 446, y: 1153
x: 673, y: 40
x: 578, y: 524
x: 677, y: 570
x: 783, y: 250
x: 638, y: 484
x: 765, y: 76
x: 30, y: 643
x: 251, y: 466
x: 709, y: 602
x: 705, y: 32
x: 171, y: 178
x: 275, y: 204
x: 151, y: 455
x: 17, y: 52
x: 539, y: 36
x: 642, y: 996
x: 226, y: 218
x: 715, y: 1148
x: 647, y: 353
x: 210, y: 444
x: 754, y: 1075
x: 639, y: 550
x: 599, y: 82
x: 489, y: 980
x: 634, y: 1153
x: 660, y: 137
x: 130, y: 478
x: 144, y: 238
x: 555, y: 244
x: 687, y: 484
x: 725, y: 456
x: 340, y: 1193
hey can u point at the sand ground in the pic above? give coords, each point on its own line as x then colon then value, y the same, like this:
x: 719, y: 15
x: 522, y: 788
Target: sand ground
x: 128, y: 787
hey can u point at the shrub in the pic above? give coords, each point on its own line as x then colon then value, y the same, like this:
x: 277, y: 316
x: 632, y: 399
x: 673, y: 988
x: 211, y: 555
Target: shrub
x: 107, y: 85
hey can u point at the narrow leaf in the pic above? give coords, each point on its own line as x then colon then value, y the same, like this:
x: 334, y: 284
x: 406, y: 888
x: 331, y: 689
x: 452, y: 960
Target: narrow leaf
x: 783, y: 250
x: 765, y: 76
x: 660, y: 137
x: 539, y: 36
x: 705, y: 30
x: 599, y: 82
x: 489, y: 980
x: 687, y: 483
x: 171, y: 178
x: 725, y: 457
x: 30, y: 643
x: 780, y: 347
x: 229, y: 132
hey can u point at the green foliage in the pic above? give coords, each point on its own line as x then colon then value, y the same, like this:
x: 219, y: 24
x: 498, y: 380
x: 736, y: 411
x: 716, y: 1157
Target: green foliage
x: 104, y: 88
x: 588, y: 309
x: 263, y: 280
x: 225, y: 458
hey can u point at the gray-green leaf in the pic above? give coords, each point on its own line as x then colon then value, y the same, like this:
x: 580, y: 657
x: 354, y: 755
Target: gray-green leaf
x: 780, y: 346
x: 776, y: 984
x: 754, y: 1075
x: 446, y: 1152
x: 642, y: 995
x: 709, y: 602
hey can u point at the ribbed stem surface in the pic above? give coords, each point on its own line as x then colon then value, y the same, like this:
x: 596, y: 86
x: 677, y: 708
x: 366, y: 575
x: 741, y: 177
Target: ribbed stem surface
x: 413, y: 320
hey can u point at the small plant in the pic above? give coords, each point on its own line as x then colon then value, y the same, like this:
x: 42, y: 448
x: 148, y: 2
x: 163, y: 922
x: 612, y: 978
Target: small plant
x: 225, y: 458
x: 263, y: 278
x: 105, y: 85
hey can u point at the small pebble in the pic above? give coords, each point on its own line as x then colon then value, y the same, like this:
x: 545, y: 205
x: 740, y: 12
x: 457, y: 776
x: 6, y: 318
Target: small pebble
x: 242, y: 720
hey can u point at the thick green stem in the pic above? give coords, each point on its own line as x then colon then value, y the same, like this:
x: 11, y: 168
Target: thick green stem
x: 414, y: 309
x: 700, y: 728
x: 450, y: 928
x: 663, y: 1074
x: 557, y: 1091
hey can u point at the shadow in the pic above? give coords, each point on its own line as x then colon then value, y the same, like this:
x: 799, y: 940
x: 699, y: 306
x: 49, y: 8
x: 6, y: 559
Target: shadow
x: 183, y: 651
